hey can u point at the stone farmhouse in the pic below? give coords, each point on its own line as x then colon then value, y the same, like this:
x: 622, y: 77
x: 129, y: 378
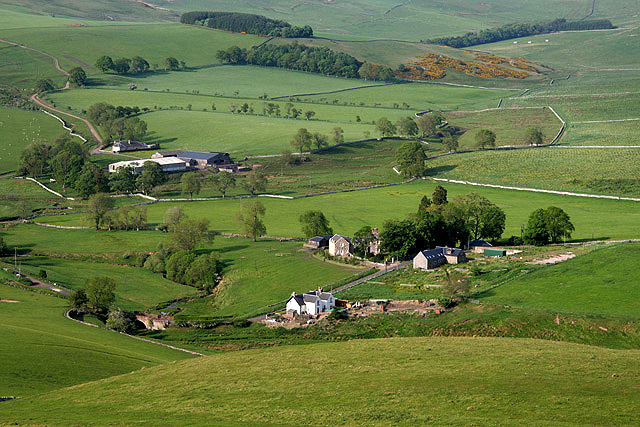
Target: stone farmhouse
x: 168, y: 165
x: 196, y: 158
x: 433, y: 258
x: 120, y: 146
x: 340, y: 246
x: 311, y: 303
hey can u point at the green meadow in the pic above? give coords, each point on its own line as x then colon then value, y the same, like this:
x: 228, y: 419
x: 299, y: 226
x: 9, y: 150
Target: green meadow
x: 600, y: 171
x: 347, y: 212
x: 18, y: 128
x: 603, y: 282
x: 616, y: 133
x: 44, y: 351
x: 136, y: 288
x: 417, y: 381
x: 23, y: 67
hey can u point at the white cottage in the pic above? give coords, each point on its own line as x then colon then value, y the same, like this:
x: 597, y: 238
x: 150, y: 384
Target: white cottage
x: 311, y: 303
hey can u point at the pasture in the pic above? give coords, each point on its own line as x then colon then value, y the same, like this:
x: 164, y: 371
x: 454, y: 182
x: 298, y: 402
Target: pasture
x: 44, y: 351
x: 23, y: 67
x: 136, y: 288
x: 593, y: 218
x: 603, y: 282
x: 616, y: 133
x: 427, y: 380
x: 552, y: 168
x: 18, y: 128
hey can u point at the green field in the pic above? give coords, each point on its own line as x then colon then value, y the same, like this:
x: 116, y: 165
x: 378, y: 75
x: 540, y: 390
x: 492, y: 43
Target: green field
x: 18, y: 128
x: 599, y: 171
x: 593, y: 218
x: 617, y: 133
x: 44, y: 351
x: 136, y: 288
x: 604, y: 281
x: 22, y: 67
x: 418, y: 381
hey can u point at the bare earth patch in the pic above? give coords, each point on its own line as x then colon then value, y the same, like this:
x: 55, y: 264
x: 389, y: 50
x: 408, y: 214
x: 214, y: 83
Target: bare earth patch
x: 554, y: 259
x: 7, y: 300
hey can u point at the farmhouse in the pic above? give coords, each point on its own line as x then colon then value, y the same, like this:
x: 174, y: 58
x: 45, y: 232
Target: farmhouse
x: 340, y: 246
x: 119, y: 146
x: 197, y: 158
x: 433, y: 258
x: 318, y: 242
x: 168, y: 165
x: 311, y: 303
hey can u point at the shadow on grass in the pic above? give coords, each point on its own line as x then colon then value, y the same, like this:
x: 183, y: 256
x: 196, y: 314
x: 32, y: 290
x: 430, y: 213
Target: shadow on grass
x: 440, y: 169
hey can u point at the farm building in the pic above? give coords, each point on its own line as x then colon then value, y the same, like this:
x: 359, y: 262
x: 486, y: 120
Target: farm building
x: 197, y: 158
x: 433, y: 258
x: 340, y: 246
x: 478, y: 246
x: 168, y: 165
x: 318, y: 242
x: 120, y: 146
x: 311, y: 303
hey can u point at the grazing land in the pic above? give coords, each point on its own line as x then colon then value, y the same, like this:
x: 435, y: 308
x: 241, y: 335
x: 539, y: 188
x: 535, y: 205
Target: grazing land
x: 593, y: 218
x: 44, y: 351
x: 604, y: 281
x: 423, y: 376
x: 553, y: 168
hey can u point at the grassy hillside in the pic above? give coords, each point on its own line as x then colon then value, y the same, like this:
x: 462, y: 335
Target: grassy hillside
x: 593, y: 218
x: 604, y: 281
x: 600, y: 171
x: 418, y: 381
x: 18, y: 128
x: 43, y: 351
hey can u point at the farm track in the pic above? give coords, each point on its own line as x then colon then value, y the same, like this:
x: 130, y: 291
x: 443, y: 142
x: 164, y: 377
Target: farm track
x: 35, y: 98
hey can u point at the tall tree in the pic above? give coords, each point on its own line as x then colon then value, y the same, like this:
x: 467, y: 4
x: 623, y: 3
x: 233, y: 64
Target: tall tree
x: 152, y: 175
x: 222, y: 181
x: 484, y: 219
x: 558, y: 223
x: 384, y: 127
x: 450, y: 143
x: 301, y: 141
x: 99, y: 205
x: 536, y: 232
x: 104, y: 63
x: 337, y: 134
x: 171, y: 63
x: 428, y: 123
x: 533, y: 136
x: 123, y: 180
x: 92, y: 179
x: 319, y: 140
x: 100, y: 293
x: 411, y: 157
x: 190, y: 183
x: 439, y: 195
x: 250, y: 218
x: 44, y: 85
x: 77, y: 76
x: 173, y: 216
x: 189, y: 233
x: 314, y: 223
x: 255, y: 182
x: 35, y: 158
x: 407, y: 127
x: 485, y: 138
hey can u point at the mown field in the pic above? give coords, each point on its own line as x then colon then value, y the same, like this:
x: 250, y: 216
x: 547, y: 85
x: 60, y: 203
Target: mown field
x: 348, y: 212
x: 426, y: 380
x: 600, y: 171
x: 604, y: 281
x: 18, y: 128
x: 44, y: 351
x: 136, y: 288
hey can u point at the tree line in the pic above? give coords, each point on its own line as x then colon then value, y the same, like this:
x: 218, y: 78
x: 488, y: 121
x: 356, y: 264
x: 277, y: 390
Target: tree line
x: 136, y: 65
x: 513, y: 31
x: 295, y: 56
x: 246, y: 23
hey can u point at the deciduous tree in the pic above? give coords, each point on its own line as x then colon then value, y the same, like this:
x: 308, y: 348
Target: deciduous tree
x: 301, y: 141
x: 533, y: 136
x: 222, y: 181
x: 250, y: 218
x: 100, y: 294
x: 255, y: 182
x: 411, y: 157
x: 314, y: 223
x: 485, y: 138
x: 384, y: 127
x: 99, y: 205
x: 190, y: 183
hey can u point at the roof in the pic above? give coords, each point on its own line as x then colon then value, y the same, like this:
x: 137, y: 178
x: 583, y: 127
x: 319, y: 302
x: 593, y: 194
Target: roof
x: 479, y: 243
x: 451, y: 251
x: 170, y: 153
x: 198, y: 155
x: 319, y: 238
x: 337, y: 237
x: 139, y: 163
x: 298, y: 299
x: 310, y: 297
x: 130, y: 144
x: 167, y: 161
x: 432, y: 253
x: 325, y: 296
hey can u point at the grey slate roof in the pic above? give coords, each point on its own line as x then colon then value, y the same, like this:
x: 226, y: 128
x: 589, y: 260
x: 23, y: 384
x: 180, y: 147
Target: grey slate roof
x: 170, y: 153
x: 198, y: 155
x: 337, y: 237
x: 319, y: 238
x: 481, y: 243
x: 298, y: 299
x: 433, y: 253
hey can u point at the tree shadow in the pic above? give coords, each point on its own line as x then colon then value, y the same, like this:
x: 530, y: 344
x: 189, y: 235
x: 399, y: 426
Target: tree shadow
x: 440, y: 169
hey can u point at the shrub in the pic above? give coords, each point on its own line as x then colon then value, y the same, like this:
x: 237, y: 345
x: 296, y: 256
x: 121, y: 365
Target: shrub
x: 119, y: 321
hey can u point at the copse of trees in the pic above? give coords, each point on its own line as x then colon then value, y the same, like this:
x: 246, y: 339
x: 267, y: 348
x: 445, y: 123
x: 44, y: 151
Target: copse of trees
x: 77, y: 76
x: 118, y: 122
x: 512, y: 31
x: 294, y: 57
x: 314, y: 223
x: 246, y: 23
x: 134, y: 65
x: 442, y: 223
x: 410, y: 157
x: 548, y: 225
x: 370, y: 71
